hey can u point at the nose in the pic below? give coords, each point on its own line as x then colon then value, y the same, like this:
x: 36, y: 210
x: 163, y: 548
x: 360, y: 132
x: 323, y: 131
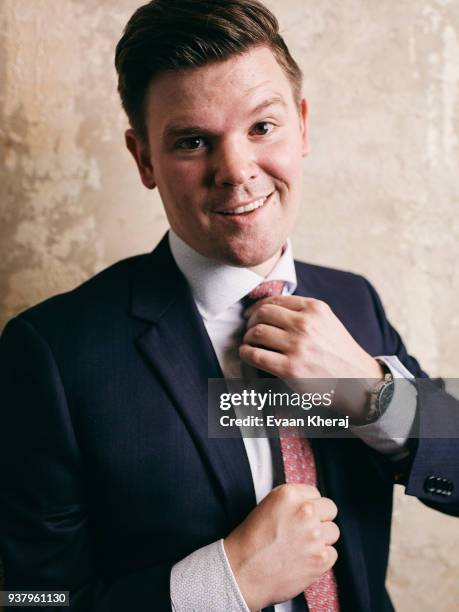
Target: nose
x: 234, y: 164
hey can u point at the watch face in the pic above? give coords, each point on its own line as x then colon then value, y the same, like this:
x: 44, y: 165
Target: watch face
x: 385, y: 396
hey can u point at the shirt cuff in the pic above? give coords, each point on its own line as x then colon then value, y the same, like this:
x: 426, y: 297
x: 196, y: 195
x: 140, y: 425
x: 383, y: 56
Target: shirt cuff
x: 204, y: 581
x: 390, y: 432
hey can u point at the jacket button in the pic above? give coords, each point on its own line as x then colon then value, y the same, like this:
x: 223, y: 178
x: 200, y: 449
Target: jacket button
x: 438, y: 486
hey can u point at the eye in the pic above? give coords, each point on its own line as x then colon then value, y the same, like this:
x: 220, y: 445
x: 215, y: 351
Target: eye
x: 191, y: 143
x: 262, y: 128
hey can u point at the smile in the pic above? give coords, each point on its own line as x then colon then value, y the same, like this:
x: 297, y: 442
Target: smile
x: 240, y: 210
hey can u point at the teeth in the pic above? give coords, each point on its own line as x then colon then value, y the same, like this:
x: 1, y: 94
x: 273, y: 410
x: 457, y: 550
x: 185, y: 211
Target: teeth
x: 247, y: 208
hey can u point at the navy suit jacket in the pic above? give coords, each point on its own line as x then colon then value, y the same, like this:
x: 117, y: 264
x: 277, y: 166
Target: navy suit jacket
x: 108, y: 475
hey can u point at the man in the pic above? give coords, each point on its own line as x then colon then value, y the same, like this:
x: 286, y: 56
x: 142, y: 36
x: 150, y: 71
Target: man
x: 112, y: 488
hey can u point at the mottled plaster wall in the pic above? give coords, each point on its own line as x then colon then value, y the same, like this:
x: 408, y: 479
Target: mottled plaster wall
x: 381, y: 191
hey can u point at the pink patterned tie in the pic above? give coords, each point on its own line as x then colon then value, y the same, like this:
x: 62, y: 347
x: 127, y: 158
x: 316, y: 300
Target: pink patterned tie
x: 299, y: 466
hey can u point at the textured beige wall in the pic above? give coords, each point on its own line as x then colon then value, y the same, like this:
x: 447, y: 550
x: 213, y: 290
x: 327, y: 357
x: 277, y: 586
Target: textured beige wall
x: 381, y: 189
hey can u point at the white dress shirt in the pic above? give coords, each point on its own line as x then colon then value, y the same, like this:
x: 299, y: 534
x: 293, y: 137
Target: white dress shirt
x: 203, y: 581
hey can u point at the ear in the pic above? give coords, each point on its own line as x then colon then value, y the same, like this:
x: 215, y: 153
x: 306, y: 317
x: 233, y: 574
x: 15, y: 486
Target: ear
x: 304, y: 125
x: 141, y: 154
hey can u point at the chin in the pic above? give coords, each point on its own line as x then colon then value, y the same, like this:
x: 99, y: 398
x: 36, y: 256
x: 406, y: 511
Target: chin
x: 246, y: 256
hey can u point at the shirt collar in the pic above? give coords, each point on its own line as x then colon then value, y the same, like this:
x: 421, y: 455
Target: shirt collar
x: 217, y: 286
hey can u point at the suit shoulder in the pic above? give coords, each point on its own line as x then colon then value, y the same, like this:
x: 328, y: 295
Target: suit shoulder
x: 330, y: 277
x: 101, y: 293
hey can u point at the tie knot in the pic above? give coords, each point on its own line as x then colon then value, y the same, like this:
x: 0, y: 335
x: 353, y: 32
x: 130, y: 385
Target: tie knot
x: 265, y: 289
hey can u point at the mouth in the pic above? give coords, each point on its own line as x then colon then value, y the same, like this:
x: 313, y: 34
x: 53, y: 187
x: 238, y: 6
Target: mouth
x: 246, y: 209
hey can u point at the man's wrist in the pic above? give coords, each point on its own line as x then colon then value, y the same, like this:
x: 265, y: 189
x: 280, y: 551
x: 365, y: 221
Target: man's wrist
x: 235, y: 563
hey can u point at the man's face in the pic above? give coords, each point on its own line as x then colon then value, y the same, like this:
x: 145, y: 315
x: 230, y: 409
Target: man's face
x: 225, y: 149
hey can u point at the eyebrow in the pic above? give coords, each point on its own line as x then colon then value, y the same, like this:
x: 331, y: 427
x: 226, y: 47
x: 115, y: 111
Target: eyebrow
x: 176, y: 129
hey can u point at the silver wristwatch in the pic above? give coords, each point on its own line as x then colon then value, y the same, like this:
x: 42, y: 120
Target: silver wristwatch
x: 381, y: 395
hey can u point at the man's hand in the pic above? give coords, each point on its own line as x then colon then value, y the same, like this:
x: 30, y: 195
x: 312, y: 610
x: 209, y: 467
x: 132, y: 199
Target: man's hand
x: 294, y: 337
x: 283, y: 545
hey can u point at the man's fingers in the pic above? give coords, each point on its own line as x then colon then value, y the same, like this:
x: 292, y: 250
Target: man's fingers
x: 326, y: 509
x: 332, y: 556
x: 326, y: 558
x: 270, y: 314
x: 323, y: 508
x: 297, y: 491
x: 268, y: 336
x: 291, y: 302
x: 328, y: 533
x: 264, y: 359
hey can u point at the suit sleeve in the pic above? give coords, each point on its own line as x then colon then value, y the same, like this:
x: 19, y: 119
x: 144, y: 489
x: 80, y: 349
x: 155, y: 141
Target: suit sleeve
x: 431, y: 471
x: 45, y: 531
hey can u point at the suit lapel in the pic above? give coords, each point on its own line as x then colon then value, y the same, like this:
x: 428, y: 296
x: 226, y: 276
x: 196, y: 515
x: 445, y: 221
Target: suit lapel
x: 332, y: 478
x: 177, y: 346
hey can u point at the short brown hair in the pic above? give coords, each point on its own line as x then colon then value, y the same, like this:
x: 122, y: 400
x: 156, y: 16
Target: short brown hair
x: 166, y: 35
